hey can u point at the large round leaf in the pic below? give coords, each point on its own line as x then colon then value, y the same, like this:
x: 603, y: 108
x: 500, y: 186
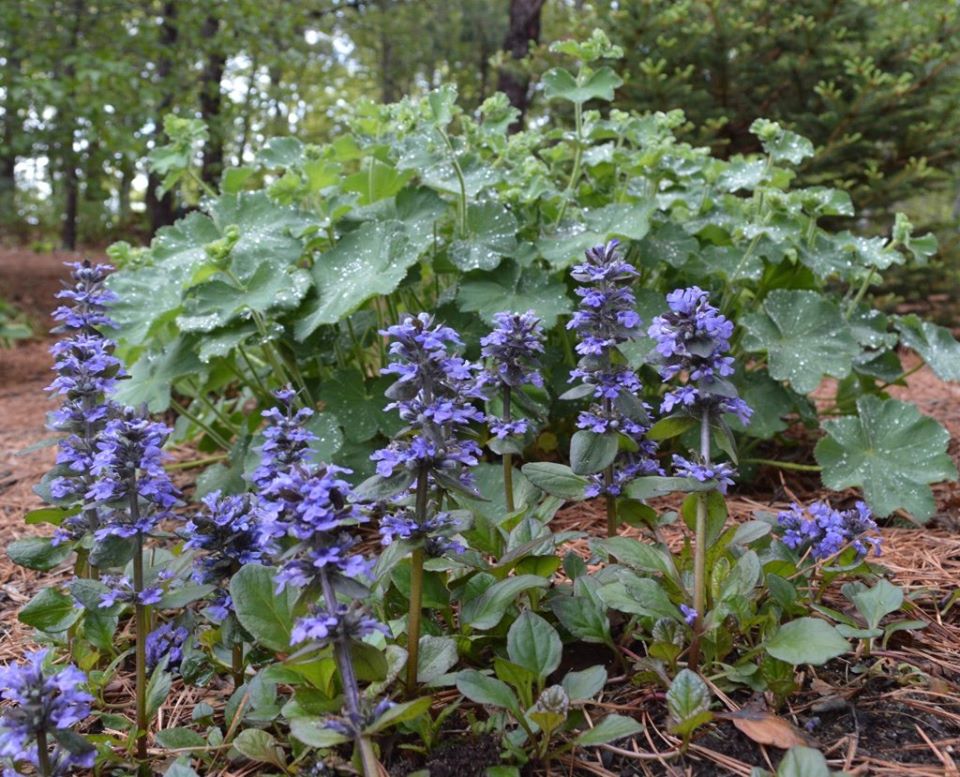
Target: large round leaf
x: 805, y: 338
x: 891, y: 451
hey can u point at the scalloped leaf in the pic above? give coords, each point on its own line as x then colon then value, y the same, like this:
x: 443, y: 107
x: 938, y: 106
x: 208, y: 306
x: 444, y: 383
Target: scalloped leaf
x: 891, y: 451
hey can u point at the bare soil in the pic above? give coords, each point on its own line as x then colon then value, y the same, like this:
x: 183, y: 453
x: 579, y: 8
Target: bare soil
x: 898, y: 712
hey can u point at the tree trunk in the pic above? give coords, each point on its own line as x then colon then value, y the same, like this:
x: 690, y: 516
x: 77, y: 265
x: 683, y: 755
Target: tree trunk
x: 71, y: 197
x: 524, y: 29
x: 161, y: 209
x: 211, y: 102
x: 71, y: 177
x: 388, y: 85
x: 11, y: 124
x: 123, y: 191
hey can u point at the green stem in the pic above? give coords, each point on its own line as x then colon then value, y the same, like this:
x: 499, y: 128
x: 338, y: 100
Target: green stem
x: 789, y: 465
x: 462, y: 202
x: 609, y: 498
x: 265, y: 392
x: 141, y: 651
x: 201, y: 395
x: 43, y: 755
x: 859, y: 296
x: 351, y: 688
x: 236, y: 664
x: 700, y: 551
x: 194, y: 463
x: 204, y: 186
x: 213, y: 435
x: 577, y: 155
x: 507, y: 458
x: 416, y: 588
x: 904, y: 375
x: 413, y: 621
x: 81, y: 567
x: 357, y: 347
x: 611, y: 502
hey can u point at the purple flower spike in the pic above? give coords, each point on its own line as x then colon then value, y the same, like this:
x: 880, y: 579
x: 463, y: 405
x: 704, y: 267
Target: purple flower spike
x: 305, y: 516
x: 166, y: 642
x: 87, y: 372
x: 826, y: 531
x: 722, y: 472
x: 129, y: 465
x: 605, y: 319
x: 434, y: 393
x: 42, y: 701
x: 513, y: 348
x: 693, y: 338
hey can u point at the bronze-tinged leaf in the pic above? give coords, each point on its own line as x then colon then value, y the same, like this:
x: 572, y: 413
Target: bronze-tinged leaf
x: 765, y: 728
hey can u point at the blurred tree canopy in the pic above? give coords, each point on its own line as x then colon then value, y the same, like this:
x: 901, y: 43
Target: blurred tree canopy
x: 85, y: 84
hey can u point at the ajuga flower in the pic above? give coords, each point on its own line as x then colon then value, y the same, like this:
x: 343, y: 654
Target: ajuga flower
x: 228, y: 534
x: 827, y: 531
x: 306, y: 512
x: 512, y: 352
x: 286, y: 439
x: 166, y: 641
x: 606, y: 318
x: 433, y: 393
x: 86, y: 374
x: 131, y: 483
x: 42, y: 702
x: 89, y: 298
x: 693, y: 338
x: 723, y: 472
x: 432, y: 531
x: 323, y: 626
x: 513, y: 348
x: 121, y: 591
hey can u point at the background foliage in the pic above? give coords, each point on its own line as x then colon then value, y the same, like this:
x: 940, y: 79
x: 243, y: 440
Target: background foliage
x: 872, y: 85
x: 288, y: 272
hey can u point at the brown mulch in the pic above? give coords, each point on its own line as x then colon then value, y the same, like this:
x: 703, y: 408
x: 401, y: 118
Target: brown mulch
x: 900, y: 717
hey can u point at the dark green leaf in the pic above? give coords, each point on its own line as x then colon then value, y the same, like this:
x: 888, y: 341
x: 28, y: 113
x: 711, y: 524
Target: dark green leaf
x: 556, y: 479
x: 591, y: 452
x: 51, y: 611
x: 806, y: 641
x: 610, y: 729
x: 534, y: 644
x: 267, y: 615
x: 38, y: 553
x: 688, y: 700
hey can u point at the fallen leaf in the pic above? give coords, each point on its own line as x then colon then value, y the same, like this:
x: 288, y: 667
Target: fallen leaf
x: 765, y: 728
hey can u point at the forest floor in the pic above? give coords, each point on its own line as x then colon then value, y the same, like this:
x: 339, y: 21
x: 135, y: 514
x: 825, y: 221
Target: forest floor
x: 895, y: 714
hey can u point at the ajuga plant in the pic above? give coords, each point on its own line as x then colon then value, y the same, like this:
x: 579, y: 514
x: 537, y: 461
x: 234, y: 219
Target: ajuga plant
x: 433, y: 394
x: 226, y: 535
x: 44, y: 706
x: 512, y: 351
x: 309, y: 513
x: 86, y: 375
x: 133, y: 493
x: 692, y: 341
x: 618, y: 418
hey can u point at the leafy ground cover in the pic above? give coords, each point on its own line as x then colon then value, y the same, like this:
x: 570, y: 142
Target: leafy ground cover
x: 910, y: 683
